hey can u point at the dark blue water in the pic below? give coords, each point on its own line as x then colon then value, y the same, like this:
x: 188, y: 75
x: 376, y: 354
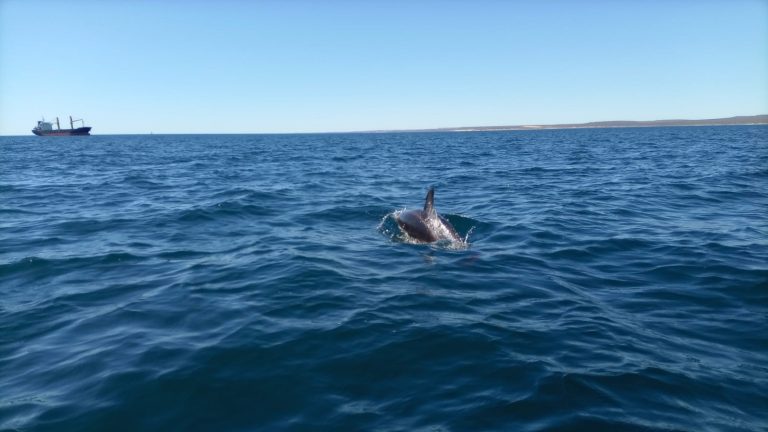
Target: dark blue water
x: 614, y: 279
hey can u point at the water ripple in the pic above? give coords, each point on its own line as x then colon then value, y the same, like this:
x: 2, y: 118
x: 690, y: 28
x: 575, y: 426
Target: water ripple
x: 613, y: 279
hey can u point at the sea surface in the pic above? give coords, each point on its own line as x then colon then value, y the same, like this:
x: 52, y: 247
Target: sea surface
x: 611, y: 279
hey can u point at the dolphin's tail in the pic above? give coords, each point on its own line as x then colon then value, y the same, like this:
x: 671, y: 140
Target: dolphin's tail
x: 429, y: 203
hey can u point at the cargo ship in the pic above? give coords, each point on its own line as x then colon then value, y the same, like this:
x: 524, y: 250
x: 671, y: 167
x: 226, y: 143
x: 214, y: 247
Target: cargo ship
x: 45, y: 128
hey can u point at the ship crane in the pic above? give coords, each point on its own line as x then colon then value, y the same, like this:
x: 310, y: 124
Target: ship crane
x: 72, y: 122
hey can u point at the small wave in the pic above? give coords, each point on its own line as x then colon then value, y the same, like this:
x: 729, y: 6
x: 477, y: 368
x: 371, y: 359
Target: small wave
x: 141, y: 181
x: 18, y: 211
x: 36, y: 264
x: 224, y: 209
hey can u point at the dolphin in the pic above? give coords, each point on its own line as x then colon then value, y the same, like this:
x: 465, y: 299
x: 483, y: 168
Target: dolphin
x: 426, y: 225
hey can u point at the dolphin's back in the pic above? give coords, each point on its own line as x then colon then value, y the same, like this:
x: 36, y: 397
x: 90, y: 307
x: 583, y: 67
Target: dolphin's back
x: 414, y: 224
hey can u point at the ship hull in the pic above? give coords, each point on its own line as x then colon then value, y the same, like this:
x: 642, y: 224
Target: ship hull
x: 64, y: 132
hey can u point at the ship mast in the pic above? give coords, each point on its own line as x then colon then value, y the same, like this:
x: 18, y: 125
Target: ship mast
x: 57, y: 123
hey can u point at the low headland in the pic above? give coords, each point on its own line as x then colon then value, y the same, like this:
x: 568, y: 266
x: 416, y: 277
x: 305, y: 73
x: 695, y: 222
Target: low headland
x: 738, y: 120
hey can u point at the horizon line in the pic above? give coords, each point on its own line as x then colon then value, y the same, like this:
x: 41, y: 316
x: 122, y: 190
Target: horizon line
x: 739, y: 120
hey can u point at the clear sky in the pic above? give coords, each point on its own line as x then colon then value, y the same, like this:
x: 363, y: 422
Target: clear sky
x: 226, y: 66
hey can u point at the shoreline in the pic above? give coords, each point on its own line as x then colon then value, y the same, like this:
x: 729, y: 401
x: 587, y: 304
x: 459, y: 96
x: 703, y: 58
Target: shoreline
x: 755, y: 120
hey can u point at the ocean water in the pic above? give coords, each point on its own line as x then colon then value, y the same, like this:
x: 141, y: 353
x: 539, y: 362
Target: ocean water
x: 612, y: 279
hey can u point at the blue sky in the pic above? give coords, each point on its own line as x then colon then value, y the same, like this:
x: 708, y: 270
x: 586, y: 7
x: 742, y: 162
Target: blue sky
x: 307, y: 66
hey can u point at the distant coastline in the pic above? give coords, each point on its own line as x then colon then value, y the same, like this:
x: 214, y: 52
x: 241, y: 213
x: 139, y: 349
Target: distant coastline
x: 728, y: 121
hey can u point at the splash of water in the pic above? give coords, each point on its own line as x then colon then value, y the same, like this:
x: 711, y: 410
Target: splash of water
x: 389, y: 228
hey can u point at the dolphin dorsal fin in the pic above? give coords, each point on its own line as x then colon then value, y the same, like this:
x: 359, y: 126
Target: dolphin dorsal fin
x: 429, y: 203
